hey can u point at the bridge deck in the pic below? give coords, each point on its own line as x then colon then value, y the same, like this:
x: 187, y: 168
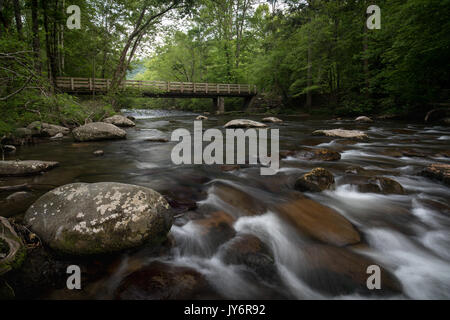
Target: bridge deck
x: 158, y: 88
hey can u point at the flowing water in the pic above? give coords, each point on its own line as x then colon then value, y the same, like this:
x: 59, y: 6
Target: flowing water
x: 408, y: 235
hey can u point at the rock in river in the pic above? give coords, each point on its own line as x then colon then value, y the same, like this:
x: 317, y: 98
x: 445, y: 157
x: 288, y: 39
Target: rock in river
x: 438, y: 171
x: 82, y: 218
x: 341, y: 133
x: 319, y: 222
x: 363, y: 119
x: 318, y: 154
x: 98, y: 131
x: 24, y: 168
x: 339, y: 271
x: 317, y: 180
x: 244, y: 123
x: 162, y: 281
x: 47, y: 130
x: 272, y: 119
x: 120, y: 121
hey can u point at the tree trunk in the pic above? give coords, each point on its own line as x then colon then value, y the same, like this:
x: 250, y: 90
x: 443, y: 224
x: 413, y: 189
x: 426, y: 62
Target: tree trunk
x: 18, y: 17
x: 36, y: 42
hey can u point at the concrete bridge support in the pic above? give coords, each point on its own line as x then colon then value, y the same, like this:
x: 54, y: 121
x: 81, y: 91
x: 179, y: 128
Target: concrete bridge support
x: 218, y: 105
x: 247, y: 101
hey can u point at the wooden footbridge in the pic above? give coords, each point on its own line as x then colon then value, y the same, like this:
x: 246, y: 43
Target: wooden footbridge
x: 163, y: 89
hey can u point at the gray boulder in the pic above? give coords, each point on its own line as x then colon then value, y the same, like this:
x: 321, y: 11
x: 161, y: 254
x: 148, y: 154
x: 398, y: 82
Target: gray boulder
x: 84, y: 219
x: 244, y: 123
x: 120, y: 121
x: 24, y: 168
x: 47, y: 130
x: 341, y: 133
x: 98, y: 131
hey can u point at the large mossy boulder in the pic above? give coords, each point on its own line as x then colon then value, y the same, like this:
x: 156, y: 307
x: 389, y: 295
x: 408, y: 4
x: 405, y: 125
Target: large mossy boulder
x: 83, y: 219
x: 25, y: 168
x: 98, y: 131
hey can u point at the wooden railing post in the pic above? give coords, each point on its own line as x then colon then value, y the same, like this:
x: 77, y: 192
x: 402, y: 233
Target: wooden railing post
x: 229, y: 89
x: 90, y: 84
x: 71, y: 84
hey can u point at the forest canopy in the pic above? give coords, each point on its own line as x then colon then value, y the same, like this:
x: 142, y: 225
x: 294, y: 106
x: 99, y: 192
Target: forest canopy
x: 314, y: 54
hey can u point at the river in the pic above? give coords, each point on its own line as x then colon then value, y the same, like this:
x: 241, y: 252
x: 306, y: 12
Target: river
x: 408, y: 235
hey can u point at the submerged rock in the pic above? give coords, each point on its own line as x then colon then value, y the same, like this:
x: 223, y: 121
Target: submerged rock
x: 382, y: 185
x: 363, y: 119
x: 272, y: 119
x: 163, y: 281
x: 318, y: 154
x: 339, y: 271
x: 98, y: 153
x: 317, y: 180
x: 438, y: 171
x: 82, y: 218
x: 250, y: 251
x: 16, y: 203
x: 200, y: 117
x: 215, y: 229
x: 119, y: 121
x: 242, y: 202
x: 319, y: 222
x: 12, y: 250
x: 98, y: 131
x: 244, y: 123
x: 24, y: 168
x: 341, y: 133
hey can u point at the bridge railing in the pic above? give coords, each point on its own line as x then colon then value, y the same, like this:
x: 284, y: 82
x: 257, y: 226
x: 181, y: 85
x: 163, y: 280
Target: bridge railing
x: 96, y: 84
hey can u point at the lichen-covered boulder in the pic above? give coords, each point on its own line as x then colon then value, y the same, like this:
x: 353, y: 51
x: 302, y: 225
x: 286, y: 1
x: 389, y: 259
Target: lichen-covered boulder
x: 244, y: 123
x: 83, y: 219
x: 24, y: 168
x: 120, y: 121
x: 98, y: 131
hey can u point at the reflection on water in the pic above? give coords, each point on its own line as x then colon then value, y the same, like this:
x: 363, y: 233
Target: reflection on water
x: 408, y: 235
